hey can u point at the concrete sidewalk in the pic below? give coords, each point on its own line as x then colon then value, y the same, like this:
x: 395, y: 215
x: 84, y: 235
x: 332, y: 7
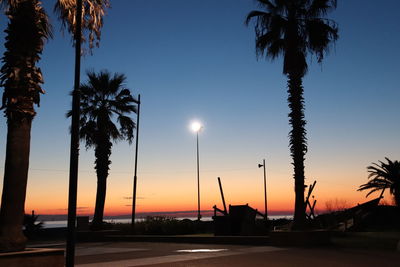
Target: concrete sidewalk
x: 170, y: 256
x: 181, y: 254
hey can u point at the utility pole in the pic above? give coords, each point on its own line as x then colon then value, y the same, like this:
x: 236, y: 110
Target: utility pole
x: 135, y: 171
x: 74, y: 149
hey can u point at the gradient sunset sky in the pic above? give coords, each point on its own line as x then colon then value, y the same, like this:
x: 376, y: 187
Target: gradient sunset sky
x: 196, y: 60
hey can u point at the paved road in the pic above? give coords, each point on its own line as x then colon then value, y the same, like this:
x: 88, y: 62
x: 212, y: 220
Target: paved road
x: 171, y: 254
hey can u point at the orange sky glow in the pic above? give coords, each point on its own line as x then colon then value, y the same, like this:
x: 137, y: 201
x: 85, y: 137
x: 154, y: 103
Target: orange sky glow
x: 179, y: 192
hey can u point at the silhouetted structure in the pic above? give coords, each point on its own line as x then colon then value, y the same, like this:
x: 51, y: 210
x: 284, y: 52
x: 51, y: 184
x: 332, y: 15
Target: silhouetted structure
x: 348, y: 218
x: 240, y: 220
x: 222, y: 196
x: 310, y: 215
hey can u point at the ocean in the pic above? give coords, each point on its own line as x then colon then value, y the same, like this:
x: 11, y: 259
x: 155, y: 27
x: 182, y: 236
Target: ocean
x: 63, y: 223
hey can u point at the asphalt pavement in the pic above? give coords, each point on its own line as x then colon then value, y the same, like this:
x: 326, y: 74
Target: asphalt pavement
x: 180, y: 254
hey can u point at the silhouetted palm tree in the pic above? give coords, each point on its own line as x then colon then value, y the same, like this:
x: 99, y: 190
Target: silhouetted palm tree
x: 27, y: 30
x: 105, y: 102
x: 384, y: 175
x: 293, y: 29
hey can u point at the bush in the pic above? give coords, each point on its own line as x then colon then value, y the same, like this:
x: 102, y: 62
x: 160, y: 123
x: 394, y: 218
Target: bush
x: 31, y: 226
x: 161, y: 225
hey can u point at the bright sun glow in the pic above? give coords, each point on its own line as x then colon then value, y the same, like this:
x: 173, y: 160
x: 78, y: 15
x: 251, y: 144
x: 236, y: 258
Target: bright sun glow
x: 196, y: 126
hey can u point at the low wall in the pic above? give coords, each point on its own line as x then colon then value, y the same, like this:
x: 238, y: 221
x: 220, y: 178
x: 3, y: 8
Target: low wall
x: 33, y: 257
x: 300, y: 238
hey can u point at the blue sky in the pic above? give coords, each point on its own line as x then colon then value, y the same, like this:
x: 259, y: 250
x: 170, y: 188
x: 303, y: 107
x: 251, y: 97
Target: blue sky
x: 196, y: 60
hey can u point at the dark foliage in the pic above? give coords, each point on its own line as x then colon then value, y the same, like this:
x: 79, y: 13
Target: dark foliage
x: 105, y: 108
x: 31, y: 225
x: 160, y: 225
x: 26, y: 33
x: 382, y: 176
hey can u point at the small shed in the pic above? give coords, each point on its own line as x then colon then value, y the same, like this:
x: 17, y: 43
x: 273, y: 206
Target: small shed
x: 239, y: 221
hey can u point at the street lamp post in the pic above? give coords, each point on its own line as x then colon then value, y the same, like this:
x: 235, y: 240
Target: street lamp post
x: 136, y: 158
x: 265, y: 189
x: 74, y: 147
x: 196, y: 127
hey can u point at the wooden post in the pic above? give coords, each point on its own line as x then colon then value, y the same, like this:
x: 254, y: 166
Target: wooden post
x: 307, y: 202
x: 222, y: 195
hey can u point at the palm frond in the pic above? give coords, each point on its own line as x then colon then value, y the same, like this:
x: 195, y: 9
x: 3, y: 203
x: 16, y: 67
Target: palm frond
x: 6, y: 4
x: 256, y: 14
x: 320, y: 35
x: 93, y: 12
x: 19, y: 75
x: 319, y: 8
x: 383, y: 175
x: 266, y: 4
x: 302, y: 27
x: 127, y: 127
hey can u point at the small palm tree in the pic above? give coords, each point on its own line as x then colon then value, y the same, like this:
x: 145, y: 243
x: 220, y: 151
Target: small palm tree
x: 105, y: 103
x: 384, y: 175
x: 294, y: 29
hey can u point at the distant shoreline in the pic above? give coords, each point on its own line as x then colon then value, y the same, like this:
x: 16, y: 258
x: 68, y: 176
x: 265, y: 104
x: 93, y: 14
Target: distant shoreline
x: 122, y: 219
x: 173, y: 214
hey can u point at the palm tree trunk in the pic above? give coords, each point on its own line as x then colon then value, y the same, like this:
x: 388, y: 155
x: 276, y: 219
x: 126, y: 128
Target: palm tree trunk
x: 15, y: 181
x: 102, y: 153
x: 100, y: 201
x: 298, y: 146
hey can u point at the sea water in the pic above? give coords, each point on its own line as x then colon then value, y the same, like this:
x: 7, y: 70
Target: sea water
x: 63, y: 223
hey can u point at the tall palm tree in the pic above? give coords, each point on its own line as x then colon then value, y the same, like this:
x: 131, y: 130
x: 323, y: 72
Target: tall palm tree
x: 384, y: 175
x: 294, y: 29
x: 105, y: 106
x: 27, y: 30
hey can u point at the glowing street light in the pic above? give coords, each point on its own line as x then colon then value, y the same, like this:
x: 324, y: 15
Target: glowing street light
x: 196, y: 127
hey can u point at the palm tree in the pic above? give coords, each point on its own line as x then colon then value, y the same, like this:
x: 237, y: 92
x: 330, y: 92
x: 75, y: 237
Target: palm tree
x: 294, y: 29
x: 27, y: 30
x: 105, y: 102
x: 384, y: 175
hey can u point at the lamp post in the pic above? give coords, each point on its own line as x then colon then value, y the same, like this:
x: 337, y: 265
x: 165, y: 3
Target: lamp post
x: 196, y: 127
x: 265, y: 189
x: 136, y: 158
x: 74, y: 147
